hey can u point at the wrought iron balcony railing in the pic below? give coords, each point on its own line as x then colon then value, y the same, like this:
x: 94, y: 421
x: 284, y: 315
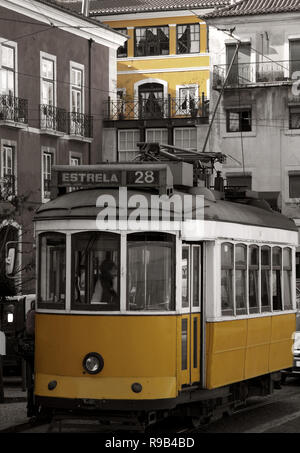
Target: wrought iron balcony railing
x: 242, y: 74
x: 156, y: 108
x: 53, y: 118
x: 80, y: 125
x: 13, y: 109
x: 7, y: 186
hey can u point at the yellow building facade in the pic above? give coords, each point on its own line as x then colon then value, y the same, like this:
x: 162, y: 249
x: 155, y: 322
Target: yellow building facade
x: 162, y: 76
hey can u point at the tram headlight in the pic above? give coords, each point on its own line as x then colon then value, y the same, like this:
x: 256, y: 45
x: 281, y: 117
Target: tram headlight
x: 93, y: 363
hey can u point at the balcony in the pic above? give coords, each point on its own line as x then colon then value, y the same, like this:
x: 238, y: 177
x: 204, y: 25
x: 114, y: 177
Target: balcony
x: 13, y: 111
x: 156, y: 109
x: 7, y: 187
x: 265, y: 73
x: 80, y: 126
x: 53, y: 120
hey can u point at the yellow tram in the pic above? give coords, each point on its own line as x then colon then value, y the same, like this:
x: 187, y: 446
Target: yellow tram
x: 192, y: 320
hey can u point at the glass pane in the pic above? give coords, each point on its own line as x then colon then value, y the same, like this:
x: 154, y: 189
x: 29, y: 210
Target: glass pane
x: 196, y: 276
x: 227, y: 255
x: 233, y: 121
x: 188, y: 38
x: 185, y: 272
x: 265, y: 256
x: 240, y: 291
x: 226, y: 292
x: 277, y: 304
x: 52, y: 268
x: 265, y: 290
x: 47, y: 69
x: 276, y: 256
x: 8, y: 56
x: 195, y: 346
x: 240, y: 255
x: 96, y: 271
x: 253, y: 255
x: 150, y: 277
x: 287, y: 257
x: 253, y: 291
x: 294, y: 186
x: 287, y: 284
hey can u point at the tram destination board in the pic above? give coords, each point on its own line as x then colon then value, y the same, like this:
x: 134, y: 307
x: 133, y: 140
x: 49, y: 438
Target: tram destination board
x: 115, y: 175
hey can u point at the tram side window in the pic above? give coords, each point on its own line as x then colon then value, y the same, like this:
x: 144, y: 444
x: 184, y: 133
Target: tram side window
x: 52, y: 276
x: 276, y: 278
x: 253, y: 279
x: 240, y: 279
x: 227, y: 279
x: 265, y: 279
x: 150, y: 277
x: 96, y: 265
x: 287, y: 278
x: 185, y: 272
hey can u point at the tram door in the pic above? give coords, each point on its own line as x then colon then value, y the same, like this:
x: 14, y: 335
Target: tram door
x: 190, y: 321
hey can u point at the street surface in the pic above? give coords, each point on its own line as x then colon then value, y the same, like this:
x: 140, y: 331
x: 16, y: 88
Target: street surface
x: 278, y: 413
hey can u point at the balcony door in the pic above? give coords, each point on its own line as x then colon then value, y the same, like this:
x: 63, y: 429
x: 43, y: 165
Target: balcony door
x: 241, y: 69
x: 294, y: 56
x: 151, y: 101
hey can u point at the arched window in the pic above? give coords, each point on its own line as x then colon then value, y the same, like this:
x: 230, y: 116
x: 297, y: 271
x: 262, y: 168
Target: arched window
x: 151, y: 100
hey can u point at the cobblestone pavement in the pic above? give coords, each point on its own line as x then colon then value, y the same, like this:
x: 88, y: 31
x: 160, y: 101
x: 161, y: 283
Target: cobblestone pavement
x: 13, y: 411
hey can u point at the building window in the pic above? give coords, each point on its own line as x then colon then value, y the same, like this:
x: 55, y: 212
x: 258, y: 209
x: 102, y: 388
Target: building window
x: 8, y: 70
x: 188, y: 38
x: 294, y: 56
x: 187, y: 101
x: 151, y: 41
x: 185, y: 137
x: 77, y: 90
x: 239, y: 120
x: 47, y: 163
x: 294, y: 117
x: 151, y: 101
x: 239, y: 181
x: 7, y: 172
x: 157, y: 136
x: 128, y: 148
x: 294, y: 185
x: 241, y: 72
x: 48, y: 77
x: 122, y: 50
x: 74, y: 161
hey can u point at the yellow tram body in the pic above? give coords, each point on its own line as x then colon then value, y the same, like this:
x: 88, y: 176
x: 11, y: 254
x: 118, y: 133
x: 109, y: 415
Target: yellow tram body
x: 231, y: 323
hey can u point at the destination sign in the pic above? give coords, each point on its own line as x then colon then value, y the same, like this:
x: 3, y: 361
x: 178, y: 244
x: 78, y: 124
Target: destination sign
x: 113, y: 175
x: 80, y: 178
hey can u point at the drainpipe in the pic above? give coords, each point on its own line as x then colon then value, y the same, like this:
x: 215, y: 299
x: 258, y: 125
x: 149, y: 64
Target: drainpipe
x: 90, y: 93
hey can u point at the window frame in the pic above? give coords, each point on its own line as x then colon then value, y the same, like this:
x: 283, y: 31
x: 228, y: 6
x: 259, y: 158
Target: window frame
x: 122, y: 30
x: 120, y: 151
x: 194, y: 32
x: 181, y: 130
x: 61, y: 306
x: 239, y: 111
x: 49, y: 152
x: 74, y: 66
x: 145, y: 54
x: 53, y: 59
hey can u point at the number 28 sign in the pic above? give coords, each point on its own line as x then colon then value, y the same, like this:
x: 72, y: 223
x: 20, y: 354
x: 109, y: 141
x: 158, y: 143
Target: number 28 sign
x: 142, y: 177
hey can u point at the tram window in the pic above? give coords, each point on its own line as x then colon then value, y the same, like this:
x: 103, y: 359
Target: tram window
x: 265, y: 278
x: 227, y: 279
x: 240, y: 279
x: 287, y: 278
x: 96, y: 264
x: 150, y: 277
x: 276, y: 278
x: 185, y: 279
x: 196, y: 276
x: 253, y: 278
x: 52, y: 278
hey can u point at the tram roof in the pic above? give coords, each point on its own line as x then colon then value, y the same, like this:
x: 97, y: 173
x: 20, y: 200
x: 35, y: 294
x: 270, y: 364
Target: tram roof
x: 82, y: 205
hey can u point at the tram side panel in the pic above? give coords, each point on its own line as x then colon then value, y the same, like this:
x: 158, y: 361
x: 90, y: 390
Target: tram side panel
x: 134, y: 348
